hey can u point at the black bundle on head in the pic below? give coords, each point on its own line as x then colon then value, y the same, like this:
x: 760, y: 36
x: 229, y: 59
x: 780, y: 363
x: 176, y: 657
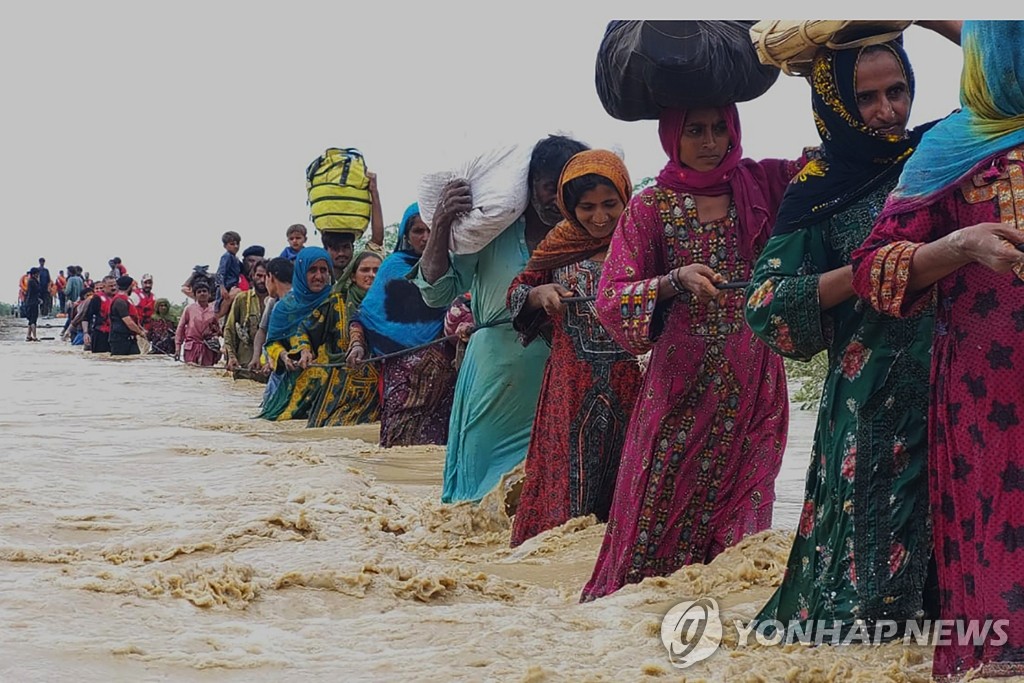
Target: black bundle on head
x: 200, y: 281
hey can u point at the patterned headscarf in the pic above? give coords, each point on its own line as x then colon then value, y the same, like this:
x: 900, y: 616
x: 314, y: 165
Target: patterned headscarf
x: 990, y: 121
x: 297, y: 304
x: 856, y: 159
x: 734, y: 175
x: 393, y: 312
x: 569, y: 242
x: 168, y: 317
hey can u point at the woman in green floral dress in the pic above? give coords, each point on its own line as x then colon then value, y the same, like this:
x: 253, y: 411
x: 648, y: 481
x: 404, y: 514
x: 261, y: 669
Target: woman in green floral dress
x: 863, y: 546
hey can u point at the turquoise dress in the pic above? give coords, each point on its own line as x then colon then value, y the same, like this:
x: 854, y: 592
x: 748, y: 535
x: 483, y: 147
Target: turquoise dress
x: 499, y: 381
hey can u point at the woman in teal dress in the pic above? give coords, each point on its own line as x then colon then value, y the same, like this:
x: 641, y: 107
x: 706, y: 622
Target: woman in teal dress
x: 499, y: 380
x: 863, y: 544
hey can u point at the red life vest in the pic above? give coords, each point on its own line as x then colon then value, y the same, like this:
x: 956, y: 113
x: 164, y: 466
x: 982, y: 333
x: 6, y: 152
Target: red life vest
x: 104, y: 322
x: 146, y: 308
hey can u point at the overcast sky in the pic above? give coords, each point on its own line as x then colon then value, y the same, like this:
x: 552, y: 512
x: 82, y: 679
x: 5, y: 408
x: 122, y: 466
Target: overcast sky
x: 145, y: 130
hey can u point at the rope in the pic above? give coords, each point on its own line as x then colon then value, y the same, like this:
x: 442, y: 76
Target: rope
x: 455, y: 337
x: 185, y: 362
x: 412, y: 349
x: 503, y: 321
x: 449, y: 338
x: 738, y: 284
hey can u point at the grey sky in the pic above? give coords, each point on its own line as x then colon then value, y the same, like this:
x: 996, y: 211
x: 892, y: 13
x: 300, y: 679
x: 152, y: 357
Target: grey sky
x: 144, y: 130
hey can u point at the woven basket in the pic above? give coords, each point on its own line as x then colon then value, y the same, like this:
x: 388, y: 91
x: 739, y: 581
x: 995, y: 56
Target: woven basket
x: 792, y: 45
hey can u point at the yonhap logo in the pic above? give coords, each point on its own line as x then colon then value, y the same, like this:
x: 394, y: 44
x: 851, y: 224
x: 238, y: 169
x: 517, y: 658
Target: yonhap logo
x: 691, y: 631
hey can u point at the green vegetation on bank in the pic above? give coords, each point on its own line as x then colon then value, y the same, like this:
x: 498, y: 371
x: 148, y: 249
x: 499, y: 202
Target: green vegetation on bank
x: 810, y: 376
x: 390, y: 239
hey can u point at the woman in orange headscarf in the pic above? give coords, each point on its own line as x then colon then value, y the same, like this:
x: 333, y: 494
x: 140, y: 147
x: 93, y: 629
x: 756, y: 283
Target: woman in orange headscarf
x: 590, y: 382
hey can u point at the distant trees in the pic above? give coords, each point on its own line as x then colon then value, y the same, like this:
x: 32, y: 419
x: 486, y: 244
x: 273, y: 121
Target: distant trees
x: 642, y: 184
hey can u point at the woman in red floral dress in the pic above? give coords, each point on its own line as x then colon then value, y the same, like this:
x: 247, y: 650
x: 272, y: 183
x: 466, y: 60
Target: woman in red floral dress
x: 590, y: 383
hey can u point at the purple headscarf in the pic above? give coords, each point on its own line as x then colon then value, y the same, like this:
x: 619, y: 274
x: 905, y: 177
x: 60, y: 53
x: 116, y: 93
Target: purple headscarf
x: 743, y: 178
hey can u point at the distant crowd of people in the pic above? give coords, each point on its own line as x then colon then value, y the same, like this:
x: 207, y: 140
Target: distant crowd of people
x: 120, y: 314
x: 40, y: 294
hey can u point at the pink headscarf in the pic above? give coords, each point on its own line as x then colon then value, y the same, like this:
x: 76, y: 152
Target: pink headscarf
x: 743, y: 178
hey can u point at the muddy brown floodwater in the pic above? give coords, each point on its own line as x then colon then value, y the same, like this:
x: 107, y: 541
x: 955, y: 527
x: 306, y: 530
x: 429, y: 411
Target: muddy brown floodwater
x: 151, y: 530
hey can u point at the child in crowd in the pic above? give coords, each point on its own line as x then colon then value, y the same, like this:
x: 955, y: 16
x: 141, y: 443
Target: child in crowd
x: 229, y: 273
x: 296, y: 235
x: 195, y: 339
x: 117, y: 269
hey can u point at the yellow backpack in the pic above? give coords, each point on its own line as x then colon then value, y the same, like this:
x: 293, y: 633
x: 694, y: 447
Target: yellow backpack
x: 338, y: 191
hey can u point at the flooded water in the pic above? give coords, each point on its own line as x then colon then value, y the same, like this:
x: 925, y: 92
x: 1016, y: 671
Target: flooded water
x: 150, y: 530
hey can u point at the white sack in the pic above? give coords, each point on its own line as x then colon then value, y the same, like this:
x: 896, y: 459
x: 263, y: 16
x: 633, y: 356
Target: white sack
x: 497, y: 178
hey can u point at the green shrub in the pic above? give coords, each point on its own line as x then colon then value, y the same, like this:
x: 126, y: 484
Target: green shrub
x: 390, y: 239
x: 811, y: 377
x: 645, y: 182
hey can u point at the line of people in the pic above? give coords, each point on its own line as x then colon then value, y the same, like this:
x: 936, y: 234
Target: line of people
x: 893, y: 251
x: 913, y: 496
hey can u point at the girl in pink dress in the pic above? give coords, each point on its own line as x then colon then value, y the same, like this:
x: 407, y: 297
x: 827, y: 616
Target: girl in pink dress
x: 195, y: 341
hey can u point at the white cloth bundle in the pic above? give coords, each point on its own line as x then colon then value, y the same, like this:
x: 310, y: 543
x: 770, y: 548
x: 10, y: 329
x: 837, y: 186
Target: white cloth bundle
x: 498, y: 179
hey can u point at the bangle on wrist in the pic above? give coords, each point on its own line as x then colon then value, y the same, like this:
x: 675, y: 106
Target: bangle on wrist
x: 674, y: 281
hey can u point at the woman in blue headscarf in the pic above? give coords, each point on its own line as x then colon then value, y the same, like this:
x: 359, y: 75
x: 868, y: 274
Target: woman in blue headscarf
x: 344, y: 393
x: 418, y: 387
x: 950, y: 233
x: 291, y: 389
